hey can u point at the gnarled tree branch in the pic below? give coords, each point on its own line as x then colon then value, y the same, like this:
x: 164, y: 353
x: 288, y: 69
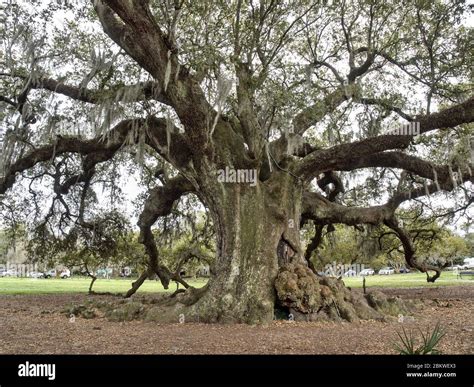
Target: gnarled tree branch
x: 171, y: 146
x: 409, y: 250
x: 159, y: 203
x: 132, y: 26
x: 332, y: 158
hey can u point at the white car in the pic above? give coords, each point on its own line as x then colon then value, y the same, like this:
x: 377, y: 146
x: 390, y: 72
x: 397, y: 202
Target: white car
x: 66, y: 273
x: 350, y: 273
x: 35, y: 274
x: 386, y: 271
x: 10, y: 273
x: 367, y: 272
x: 50, y: 273
x: 469, y: 263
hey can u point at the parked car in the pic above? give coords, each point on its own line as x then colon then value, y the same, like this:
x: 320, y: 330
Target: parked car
x: 11, y: 273
x: 404, y: 270
x: 35, y: 274
x: 2, y: 272
x: 350, y: 273
x: 50, y: 274
x: 367, y: 272
x: 469, y: 263
x: 66, y: 273
x: 386, y: 271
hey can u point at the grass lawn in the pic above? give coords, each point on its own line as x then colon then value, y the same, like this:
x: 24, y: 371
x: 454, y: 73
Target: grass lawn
x: 410, y: 280
x: 81, y: 285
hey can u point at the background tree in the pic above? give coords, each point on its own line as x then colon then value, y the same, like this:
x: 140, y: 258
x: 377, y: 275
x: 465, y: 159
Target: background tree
x: 435, y: 244
x: 379, y: 246
x: 449, y: 250
x: 89, y: 246
x: 469, y: 239
x: 301, y: 92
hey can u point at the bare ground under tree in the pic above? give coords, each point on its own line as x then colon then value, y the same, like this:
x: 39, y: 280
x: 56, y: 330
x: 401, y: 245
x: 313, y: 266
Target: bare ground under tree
x: 34, y: 324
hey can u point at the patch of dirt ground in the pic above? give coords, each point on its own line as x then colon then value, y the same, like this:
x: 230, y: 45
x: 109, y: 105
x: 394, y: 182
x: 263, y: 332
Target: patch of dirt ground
x: 34, y: 324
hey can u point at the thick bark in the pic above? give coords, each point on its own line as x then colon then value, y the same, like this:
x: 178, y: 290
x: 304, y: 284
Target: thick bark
x: 252, y: 222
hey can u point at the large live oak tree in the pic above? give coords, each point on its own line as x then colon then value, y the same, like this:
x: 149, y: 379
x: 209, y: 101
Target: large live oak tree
x: 248, y: 85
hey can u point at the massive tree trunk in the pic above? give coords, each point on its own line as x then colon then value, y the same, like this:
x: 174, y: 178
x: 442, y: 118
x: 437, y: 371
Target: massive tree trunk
x: 256, y: 233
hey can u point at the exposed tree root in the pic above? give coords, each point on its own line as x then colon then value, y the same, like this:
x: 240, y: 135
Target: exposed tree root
x: 94, y: 293
x: 309, y: 297
x: 301, y: 293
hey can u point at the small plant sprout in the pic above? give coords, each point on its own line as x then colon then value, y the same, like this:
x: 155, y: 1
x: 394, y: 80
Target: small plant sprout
x: 429, y: 341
